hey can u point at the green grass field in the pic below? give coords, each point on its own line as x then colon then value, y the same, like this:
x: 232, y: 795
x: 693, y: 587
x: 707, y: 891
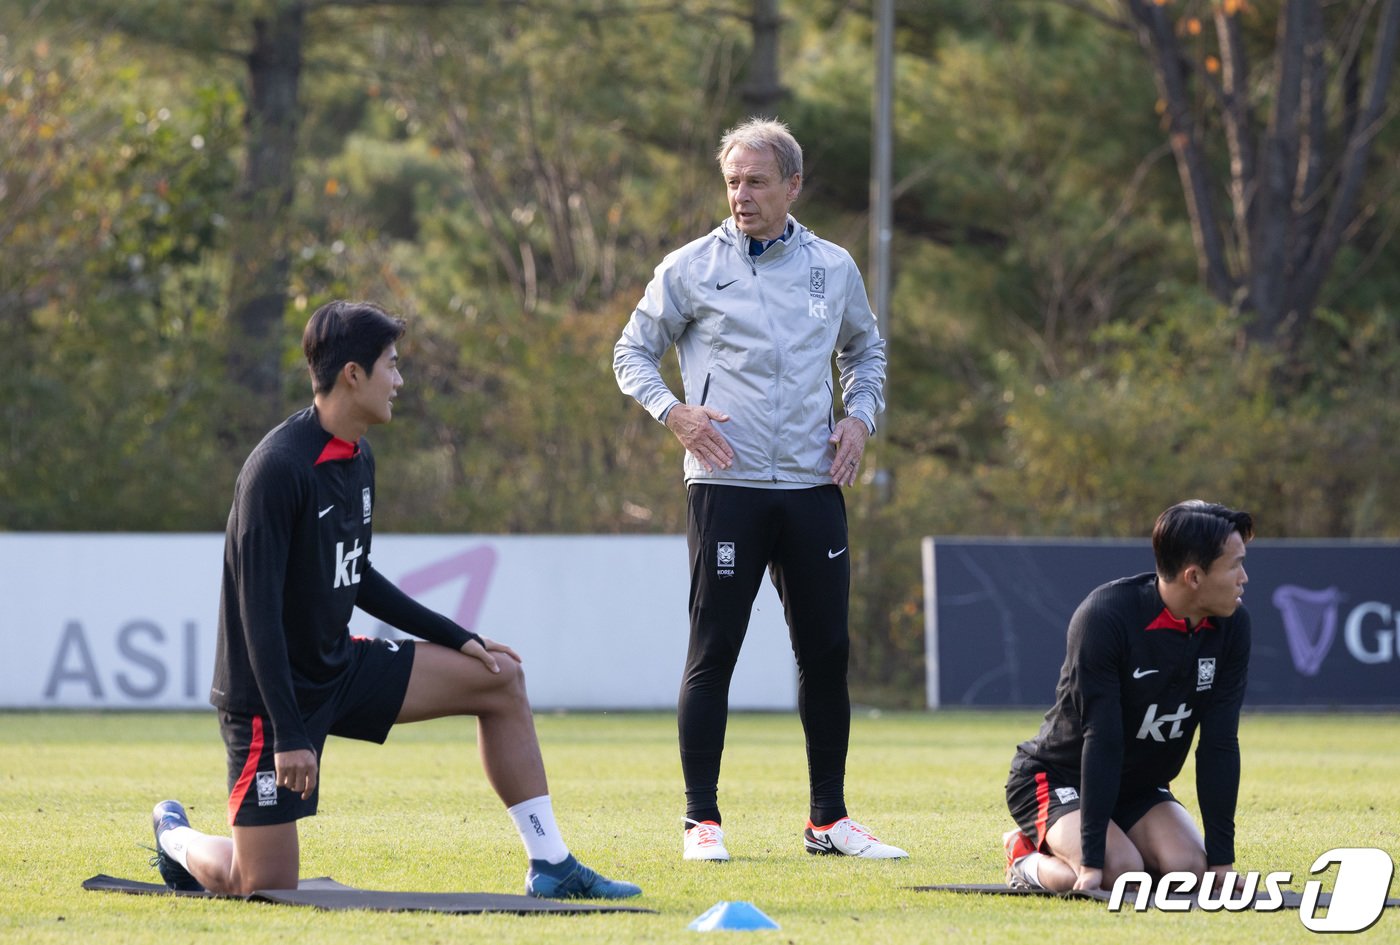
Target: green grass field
x: 416, y: 814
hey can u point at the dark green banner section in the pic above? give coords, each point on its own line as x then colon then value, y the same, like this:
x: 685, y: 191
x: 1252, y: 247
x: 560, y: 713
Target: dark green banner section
x: 1325, y: 617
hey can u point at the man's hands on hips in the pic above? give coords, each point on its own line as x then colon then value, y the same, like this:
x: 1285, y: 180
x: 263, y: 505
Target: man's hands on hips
x: 849, y: 439
x: 695, y: 428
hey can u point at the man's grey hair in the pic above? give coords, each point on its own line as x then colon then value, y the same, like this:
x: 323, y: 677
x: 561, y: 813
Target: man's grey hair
x: 760, y: 134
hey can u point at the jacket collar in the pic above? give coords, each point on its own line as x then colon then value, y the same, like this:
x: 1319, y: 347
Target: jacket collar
x: 1167, y: 620
x: 728, y: 232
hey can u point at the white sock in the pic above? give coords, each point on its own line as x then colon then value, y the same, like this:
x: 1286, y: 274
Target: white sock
x: 1030, y: 868
x: 175, y: 842
x: 534, y: 819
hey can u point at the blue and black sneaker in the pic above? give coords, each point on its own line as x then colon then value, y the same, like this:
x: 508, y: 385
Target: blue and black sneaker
x: 168, y: 814
x: 570, y: 879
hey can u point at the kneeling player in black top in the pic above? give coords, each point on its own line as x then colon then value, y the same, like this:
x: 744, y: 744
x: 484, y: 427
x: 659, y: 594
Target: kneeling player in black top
x: 287, y: 672
x: 1149, y: 659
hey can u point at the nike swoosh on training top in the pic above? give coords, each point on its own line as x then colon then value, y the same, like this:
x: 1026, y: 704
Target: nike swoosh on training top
x: 1139, y: 673
x: 724, y: 285
x: 835, y: 554
x: 322, y: 513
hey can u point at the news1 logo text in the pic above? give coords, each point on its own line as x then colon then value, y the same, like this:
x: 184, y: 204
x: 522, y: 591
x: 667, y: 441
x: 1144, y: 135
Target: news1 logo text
x: 1357, y: 899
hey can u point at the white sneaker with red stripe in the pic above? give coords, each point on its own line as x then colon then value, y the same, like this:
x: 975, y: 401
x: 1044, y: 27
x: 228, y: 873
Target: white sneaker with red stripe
x: 704, y: 841
x: 847, y: 838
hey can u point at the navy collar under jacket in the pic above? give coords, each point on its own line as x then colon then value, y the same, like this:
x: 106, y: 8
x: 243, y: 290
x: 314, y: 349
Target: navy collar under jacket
x: 759, y: 247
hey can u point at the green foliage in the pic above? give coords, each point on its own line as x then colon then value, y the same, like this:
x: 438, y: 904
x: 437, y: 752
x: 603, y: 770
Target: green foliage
x: 1176, y: 406
x: 507, y: 176
x: 114, y: 204
x: 1096, y: 448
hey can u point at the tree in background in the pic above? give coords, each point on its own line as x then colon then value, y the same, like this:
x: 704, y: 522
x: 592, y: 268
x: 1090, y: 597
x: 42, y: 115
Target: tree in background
x: 271, y: 40
x: 763, y: 91
x: 487, y: 173
x: 260, y: 245
x: 1299, y: 122
x: 112, y: 192
x: 507, y: 179
x: 1057, y: 364
x: 265, y: 37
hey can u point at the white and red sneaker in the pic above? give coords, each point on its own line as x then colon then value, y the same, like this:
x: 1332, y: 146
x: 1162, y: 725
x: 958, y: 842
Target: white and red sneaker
x: 1018, y: 847
x: 845, y: 837
x: 704, y: 841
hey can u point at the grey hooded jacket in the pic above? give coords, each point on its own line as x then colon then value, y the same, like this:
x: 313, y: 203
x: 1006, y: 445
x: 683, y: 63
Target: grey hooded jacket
x: 754, y: 336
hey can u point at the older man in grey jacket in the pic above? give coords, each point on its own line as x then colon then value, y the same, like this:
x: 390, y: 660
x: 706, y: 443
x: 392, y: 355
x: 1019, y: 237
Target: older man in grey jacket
x: 755, y: 310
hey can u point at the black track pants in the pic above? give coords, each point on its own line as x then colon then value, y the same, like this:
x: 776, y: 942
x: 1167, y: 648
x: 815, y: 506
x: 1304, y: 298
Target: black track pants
x: 799, y: 536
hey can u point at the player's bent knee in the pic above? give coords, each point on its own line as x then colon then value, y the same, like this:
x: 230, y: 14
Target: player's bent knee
x: 506, y: 689
x: 1121, y: 858
x: 245, y: 883
x: 512, y: 678
x: 263, y: 857
x: 1182, y: 859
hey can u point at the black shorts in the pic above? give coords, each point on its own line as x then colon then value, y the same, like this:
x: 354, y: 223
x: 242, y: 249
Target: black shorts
x: 363, y: 706
x: 1037, y: 800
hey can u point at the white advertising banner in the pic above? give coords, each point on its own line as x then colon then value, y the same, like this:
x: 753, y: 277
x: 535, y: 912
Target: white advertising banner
x: 123, y: 621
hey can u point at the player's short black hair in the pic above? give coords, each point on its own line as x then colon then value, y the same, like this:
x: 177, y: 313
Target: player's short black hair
x: 1195, y: 532
x: 340, y: 332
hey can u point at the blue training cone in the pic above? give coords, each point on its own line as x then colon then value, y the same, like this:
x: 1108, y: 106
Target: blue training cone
x: 732, y: 917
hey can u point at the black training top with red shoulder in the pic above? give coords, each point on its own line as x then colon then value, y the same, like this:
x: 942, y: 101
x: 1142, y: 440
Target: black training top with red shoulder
x: 1136, y: 684
x: 296, y: 563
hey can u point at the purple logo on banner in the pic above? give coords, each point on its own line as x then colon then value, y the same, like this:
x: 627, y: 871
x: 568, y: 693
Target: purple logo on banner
x: 1310, y: 623
x: 475, y: 565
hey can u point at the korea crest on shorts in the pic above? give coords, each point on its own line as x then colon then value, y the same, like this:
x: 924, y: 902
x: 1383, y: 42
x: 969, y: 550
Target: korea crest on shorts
x: 1205, y: 673
x: 266, y: 782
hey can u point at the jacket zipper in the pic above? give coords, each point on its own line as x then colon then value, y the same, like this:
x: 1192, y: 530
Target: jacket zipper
x: 778, y: 370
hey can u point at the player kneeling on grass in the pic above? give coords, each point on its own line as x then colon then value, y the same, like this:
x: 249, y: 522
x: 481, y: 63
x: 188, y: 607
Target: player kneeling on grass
x: 287, y: 672
x: 1148, y: 660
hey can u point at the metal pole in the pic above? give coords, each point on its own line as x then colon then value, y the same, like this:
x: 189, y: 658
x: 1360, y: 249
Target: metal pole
x: 881, y: 213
